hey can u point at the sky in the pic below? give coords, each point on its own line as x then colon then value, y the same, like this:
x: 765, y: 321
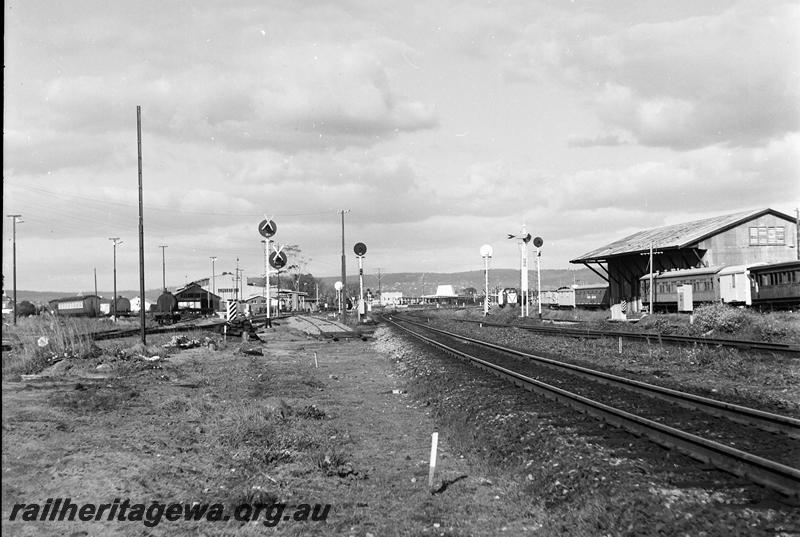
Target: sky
x: 440, y: 126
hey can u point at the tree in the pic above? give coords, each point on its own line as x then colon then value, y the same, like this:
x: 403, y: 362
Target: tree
x: 26, y: 309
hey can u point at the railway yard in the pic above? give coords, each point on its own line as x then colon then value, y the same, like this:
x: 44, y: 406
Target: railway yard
x: 312, y: 412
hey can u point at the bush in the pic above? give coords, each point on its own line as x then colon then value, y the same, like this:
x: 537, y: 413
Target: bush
x: 720, y: 318
x: 26, y: 309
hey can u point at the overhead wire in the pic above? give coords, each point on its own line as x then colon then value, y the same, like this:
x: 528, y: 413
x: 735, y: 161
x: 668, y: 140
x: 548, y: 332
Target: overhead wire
x: 161, y: 208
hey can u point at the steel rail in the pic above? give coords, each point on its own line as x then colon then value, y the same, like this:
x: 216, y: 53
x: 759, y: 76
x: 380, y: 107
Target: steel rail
x: 740, y: 414
x: 776, y: 476
x: 189, y: 325
x: 672, y: 338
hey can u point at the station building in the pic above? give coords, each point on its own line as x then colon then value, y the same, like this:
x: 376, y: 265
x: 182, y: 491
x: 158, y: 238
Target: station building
x: 743, y: 238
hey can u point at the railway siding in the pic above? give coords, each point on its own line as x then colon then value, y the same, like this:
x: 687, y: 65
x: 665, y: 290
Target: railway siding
x: 767, y: 458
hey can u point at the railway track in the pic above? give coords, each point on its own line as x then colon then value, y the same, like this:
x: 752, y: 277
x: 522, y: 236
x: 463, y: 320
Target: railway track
x: 334, y: 329
x: 647, y: 336
x: 729, y: 437
x: 180, y: 327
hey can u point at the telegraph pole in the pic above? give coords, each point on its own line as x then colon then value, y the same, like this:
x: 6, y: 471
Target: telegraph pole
x: 14, y: 256
x: 116, y: 241
x: 797, y: 239
x: 163, y: 268
x: 379, y: 282
x: 141, y: 227
x: 236, y: 282
x: 344, y: 270
x: 213, y: 280
x: 95, y: 285
x: 651, y: 279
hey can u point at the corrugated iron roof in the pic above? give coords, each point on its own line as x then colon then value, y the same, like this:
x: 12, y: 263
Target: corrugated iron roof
x: 72, y: 298
x: 672, y: 236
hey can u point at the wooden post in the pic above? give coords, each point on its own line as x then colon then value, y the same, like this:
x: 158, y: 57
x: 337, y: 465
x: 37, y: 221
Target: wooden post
x: 141, y: 226
x: 434, y: 447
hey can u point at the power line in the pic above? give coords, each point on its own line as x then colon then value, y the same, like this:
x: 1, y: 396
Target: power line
x: 156, y: 207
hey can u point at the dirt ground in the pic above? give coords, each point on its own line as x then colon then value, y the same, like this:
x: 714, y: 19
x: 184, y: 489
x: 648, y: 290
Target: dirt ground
x: 300, y: 420
x: 207, y: 425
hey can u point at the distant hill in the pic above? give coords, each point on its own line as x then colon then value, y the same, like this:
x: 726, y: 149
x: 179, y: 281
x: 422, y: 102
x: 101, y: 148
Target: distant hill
x: 411, y: 283
x: 43, y: 297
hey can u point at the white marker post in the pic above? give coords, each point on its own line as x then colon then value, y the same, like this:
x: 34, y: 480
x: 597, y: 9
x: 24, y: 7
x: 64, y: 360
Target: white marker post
x: 486, y: 254
x: 434, y: 447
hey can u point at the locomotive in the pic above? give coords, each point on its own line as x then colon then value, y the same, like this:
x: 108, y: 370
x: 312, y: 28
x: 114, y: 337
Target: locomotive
x: 507, y: 297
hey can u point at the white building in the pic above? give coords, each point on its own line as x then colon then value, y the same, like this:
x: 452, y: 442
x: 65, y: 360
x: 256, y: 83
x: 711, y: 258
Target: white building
x: 136, y: 304
x: 391, y: 298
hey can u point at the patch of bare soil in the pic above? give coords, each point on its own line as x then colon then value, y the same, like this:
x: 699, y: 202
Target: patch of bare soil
x: 305, y: 422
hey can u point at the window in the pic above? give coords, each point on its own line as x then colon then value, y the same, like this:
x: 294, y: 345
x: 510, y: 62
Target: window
x: 768, y: 236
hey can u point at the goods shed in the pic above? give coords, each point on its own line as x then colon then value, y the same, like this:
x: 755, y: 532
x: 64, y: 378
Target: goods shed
x: 194, y: 297
x: 741, y: 238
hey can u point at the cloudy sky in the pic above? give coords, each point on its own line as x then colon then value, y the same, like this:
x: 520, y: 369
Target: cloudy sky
x: 441, y: 126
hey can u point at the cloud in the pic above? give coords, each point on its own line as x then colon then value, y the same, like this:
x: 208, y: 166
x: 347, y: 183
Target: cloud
x: 244, y: 80
x: 678, y: 83
x: 697, y: 181
x: 609, y: 139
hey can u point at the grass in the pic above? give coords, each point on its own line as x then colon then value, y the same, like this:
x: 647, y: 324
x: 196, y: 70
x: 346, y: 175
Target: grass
x: 713, y: 320
x: 44, y: 339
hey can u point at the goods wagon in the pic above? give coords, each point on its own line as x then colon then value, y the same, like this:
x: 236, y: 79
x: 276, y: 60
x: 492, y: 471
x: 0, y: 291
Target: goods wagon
x: 76, y: 306
x: 549, y: 299
x: 565, y: 297
x: 165, y: 310
x: 123, y: 306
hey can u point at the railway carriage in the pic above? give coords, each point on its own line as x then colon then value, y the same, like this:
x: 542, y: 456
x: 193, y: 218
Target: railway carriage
x: 763, y: 285
x: 775, y: 286
x: 665, y: 287
x: 593, y: 296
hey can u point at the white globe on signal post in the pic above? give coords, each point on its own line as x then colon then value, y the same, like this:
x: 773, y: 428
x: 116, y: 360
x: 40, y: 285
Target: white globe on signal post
x: 338, y: 286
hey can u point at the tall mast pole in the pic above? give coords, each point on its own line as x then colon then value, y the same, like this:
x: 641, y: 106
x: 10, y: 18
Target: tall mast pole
x: 13, y: 218
x: 163, y: 268
x: 651, y: 279
x: 344, y: 270
x: 141, y: 226
x: 116, y: 241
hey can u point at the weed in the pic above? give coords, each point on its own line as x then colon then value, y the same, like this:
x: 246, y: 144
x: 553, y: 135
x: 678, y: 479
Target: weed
x: 45, y: 339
